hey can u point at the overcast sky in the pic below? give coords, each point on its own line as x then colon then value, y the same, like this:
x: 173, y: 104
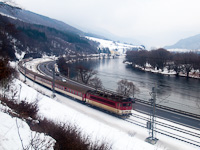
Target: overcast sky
x: 152, y: 22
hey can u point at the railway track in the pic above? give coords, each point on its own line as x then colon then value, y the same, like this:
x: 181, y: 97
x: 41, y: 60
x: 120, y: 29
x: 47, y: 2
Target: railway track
x: 195, y: 116
x: 164, y: 128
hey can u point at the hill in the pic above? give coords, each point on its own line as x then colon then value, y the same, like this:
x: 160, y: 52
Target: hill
x: 17, y: 36
x: 33, y: 18
x: 192, y: 43
x: 115, y: 47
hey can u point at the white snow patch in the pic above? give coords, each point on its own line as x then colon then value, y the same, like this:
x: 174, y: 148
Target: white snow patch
x: 178, y: 50
x: 8, y: 16
x: 114, y: 47
x: 20, y: 56
x: 10, y: 138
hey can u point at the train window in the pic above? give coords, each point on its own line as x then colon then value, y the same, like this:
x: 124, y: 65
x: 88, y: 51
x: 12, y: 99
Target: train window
x: 126, y: 104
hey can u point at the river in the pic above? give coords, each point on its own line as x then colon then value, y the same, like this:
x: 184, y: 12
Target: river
x: 175, y: 92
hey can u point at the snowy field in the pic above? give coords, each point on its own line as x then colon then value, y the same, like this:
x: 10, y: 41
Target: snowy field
x: 114, y: 47
x: 98, y: 125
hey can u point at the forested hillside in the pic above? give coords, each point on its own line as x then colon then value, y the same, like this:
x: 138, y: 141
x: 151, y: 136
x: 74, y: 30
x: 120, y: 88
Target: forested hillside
x: 33, y: 18
x: 17, y: 36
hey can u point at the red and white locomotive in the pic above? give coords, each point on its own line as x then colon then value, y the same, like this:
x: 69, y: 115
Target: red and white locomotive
x: 102, y: 99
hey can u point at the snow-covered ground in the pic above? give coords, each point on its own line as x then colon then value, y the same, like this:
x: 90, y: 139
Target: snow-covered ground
x: 192, y: 74
x: 32, y: 65
x: 98, y: 125
x: 15, y: 134
x: 114, y: 47
x: 178, y: 50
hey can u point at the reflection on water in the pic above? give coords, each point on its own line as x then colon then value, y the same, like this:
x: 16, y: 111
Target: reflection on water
x: 176, y: 92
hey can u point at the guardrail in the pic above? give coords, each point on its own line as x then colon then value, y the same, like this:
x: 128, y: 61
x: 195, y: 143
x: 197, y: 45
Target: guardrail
x: 170, y: 109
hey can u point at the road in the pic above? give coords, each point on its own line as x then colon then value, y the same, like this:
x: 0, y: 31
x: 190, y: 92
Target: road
x: 46, y: 68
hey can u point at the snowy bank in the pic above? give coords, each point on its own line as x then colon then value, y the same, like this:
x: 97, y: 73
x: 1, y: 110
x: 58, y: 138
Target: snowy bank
x: 98, y: 125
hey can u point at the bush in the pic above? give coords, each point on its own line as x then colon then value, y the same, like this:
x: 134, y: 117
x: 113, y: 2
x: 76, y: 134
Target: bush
x: 69, y: 137
x: 24, y: 109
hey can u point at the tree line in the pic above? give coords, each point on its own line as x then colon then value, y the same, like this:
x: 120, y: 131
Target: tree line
x: 161, y: 58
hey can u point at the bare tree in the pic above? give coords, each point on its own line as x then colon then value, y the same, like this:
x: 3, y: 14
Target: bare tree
x: 126, y: 88
x: 96, y: 83
x: 85, y: 74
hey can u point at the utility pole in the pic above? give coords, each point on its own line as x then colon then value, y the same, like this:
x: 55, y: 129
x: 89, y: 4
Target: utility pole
x: 151, y: 124
x: 25, y: 72
x: 68, y: 73
x: 53, y: 83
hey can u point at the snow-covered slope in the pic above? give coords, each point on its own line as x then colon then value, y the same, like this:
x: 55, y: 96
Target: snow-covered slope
x: 98, y: 125
x: 115, y: 47
x: 15, y: 133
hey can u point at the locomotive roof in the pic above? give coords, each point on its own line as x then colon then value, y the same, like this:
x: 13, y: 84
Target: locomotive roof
x: 111, y: 96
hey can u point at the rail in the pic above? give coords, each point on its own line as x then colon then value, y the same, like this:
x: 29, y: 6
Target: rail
x: 170, y: 109
x: 168, y: 130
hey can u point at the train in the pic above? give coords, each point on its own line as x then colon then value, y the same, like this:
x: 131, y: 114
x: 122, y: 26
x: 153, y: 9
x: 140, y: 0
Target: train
x: 102, y: 99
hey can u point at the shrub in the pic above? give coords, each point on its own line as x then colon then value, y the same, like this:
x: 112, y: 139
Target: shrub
x: 69, y: 137
x: 24, y: 109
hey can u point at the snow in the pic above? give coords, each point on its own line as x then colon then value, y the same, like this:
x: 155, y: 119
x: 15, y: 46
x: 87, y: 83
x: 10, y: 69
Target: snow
x: 178, y: 50
x: 20, y: 56
x: 154, y: 70
x: 9, y: 137
x: 32, y: 65
x: 8, y: 16
x: 98, y: 125
x: 114, y: 47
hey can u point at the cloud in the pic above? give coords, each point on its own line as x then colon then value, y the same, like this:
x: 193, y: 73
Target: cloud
x: 155, y: 22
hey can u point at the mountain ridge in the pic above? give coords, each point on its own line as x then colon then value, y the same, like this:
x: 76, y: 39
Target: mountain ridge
x: 34, y: 18
x: 192, y: 42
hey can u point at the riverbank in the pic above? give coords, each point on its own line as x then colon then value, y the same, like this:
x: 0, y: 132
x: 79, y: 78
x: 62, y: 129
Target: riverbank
x: 193, y: 74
